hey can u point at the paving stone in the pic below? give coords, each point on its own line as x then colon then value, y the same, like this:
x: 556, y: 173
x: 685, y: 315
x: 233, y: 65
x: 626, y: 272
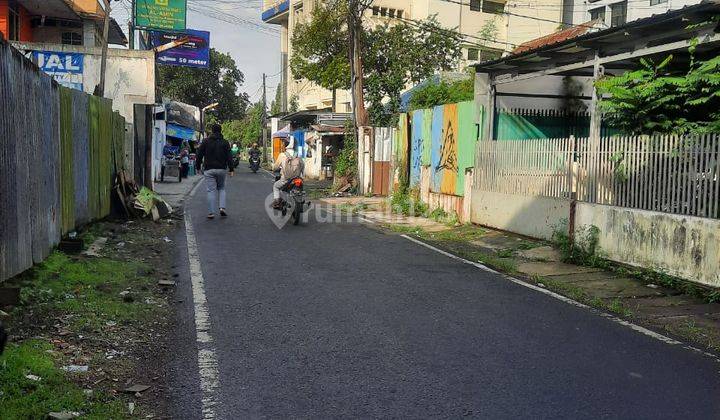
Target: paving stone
x: 541, y: 253
x: 545, y: 269
x: 606, y: 285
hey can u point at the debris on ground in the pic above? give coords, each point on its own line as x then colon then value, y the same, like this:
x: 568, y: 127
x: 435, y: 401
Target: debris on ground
x: 136, y: 389
x: 151, y: 203
x: 95, y: 248
x: 64, y: 415
x: 139, y: 201
x: 76, y: 368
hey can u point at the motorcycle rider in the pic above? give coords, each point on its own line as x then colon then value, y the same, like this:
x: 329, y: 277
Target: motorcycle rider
x: 290, y: 166
x: 254, y: 151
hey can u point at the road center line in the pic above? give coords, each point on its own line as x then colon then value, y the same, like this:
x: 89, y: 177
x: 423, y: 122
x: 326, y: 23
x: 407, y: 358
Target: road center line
x: 615, y: 319
x: 207, y: 356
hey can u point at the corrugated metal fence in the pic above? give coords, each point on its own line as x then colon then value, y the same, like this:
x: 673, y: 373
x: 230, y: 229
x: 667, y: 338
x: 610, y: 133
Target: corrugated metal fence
x: 56, y: 161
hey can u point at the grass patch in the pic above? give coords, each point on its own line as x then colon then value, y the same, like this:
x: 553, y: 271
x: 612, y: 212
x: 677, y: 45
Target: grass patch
x: 23, y: 398
x: 89, y: 289
x: 349, y: 208
x: 578, y: 294
x: 694, y: 332
x: 464, y: 233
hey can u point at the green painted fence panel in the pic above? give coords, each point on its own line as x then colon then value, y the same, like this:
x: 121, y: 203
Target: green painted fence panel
x: 105, y: 156
x: 67, y: 177
x: 94, y: 157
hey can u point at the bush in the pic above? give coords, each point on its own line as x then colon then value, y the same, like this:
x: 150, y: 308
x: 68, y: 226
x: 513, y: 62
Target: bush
x: 442, y: 93
x: 407, y: 202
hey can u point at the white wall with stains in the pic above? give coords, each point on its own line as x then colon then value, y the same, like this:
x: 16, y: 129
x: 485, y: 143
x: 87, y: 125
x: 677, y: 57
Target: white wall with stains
x: 130, y: 74
x: 682, y: 246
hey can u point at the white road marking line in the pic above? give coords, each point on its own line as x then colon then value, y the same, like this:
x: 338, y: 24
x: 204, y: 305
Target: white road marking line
x: 196, y: 187
x: 207, y: 357
x: 613, y: 318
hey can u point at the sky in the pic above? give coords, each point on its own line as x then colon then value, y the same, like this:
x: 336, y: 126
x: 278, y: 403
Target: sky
x: 235, y: 28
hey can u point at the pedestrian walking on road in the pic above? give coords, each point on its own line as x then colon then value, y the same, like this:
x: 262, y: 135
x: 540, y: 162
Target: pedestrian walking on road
x: 216, y: 161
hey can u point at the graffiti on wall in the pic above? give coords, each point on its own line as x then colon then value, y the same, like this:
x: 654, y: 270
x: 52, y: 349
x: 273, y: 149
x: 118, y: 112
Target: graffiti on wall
x: 443, y: 139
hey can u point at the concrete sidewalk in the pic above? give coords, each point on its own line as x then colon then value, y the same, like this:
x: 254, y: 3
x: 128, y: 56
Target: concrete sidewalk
x: 620, y: 290
x: 175, y: 192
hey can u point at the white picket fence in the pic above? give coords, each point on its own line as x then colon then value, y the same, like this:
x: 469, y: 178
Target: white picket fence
x: 671, y: 174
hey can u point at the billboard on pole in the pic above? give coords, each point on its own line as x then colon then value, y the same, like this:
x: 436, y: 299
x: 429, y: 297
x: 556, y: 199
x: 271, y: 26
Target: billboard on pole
x: 194, y: 53
x: 161, y: 14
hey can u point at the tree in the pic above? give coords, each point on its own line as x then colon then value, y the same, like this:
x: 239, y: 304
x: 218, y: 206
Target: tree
x: 401, y: 54
x: 201, y: 87
x: 392, y: 56
x: 276, y: 105
x: 233, y: 132
x: 662, y: 98
x: 442, y: 93
x: 320, y: 48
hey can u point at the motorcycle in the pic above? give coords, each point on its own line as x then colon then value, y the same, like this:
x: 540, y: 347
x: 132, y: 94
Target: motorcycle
x: 296, y: 204
x: 254, y: 163
x: 235, y: 161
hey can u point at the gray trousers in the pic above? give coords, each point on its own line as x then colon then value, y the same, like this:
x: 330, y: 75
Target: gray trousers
x: 215, y: 183
x: 276, y: 187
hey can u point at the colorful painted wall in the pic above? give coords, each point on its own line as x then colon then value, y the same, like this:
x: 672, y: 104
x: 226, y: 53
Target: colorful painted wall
x: 443, y: 138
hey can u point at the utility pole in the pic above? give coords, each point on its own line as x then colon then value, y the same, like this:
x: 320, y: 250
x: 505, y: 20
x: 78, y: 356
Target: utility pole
x: 264, y: 121
x: 356, y: 8
x: 131, y: 26
x: 103, y: 62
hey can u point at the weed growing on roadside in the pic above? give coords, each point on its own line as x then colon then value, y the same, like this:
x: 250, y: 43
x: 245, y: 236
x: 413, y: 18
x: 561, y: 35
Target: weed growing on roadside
x: 407, y: 202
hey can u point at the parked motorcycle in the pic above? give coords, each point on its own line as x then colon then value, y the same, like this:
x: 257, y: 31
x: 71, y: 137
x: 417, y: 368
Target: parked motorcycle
x: 296, y: 203
x: 254, y: 163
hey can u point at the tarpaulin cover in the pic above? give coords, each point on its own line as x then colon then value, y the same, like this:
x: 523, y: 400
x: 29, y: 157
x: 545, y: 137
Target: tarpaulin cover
x: 282, y: 133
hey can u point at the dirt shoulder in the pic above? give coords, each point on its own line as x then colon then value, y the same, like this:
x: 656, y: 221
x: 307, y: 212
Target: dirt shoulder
x: 89, y: 328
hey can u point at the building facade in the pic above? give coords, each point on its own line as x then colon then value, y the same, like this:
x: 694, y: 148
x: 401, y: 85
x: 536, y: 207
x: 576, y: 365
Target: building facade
x: 491, y: 28
x: 67, y: 22
x: 611, y: 13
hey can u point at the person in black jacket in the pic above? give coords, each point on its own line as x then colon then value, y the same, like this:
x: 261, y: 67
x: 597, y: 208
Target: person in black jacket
x: 215, y: 161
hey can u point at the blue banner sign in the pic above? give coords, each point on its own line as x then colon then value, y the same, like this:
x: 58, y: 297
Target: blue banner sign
x: 66, y: 68
x: 194, y: 53
x: 180, y: 132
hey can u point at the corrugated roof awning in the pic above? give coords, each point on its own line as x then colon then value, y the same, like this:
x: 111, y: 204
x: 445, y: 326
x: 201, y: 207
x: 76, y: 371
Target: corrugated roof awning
x: 616, y: 48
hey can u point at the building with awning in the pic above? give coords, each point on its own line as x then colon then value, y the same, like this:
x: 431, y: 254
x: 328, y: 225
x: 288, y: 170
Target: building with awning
x: 317, y: 136
x: 535, y: 74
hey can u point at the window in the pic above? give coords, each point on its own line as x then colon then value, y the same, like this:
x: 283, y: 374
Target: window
x: 13, y: 21
x: 391, y: 13
x: 399, y: 14
x: 488, y: 55
x: 472, y: 54
x: 598, y: 14
x: 656, y: 2
x: 493, y: 7
x: 618, y: 14
x: 475, y: 5
x: 376, y: 10
x: 71, y: 38
x: 383, y: 11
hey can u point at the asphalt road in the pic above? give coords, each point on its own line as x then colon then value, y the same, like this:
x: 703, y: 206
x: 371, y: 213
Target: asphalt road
x: 338, y: 320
